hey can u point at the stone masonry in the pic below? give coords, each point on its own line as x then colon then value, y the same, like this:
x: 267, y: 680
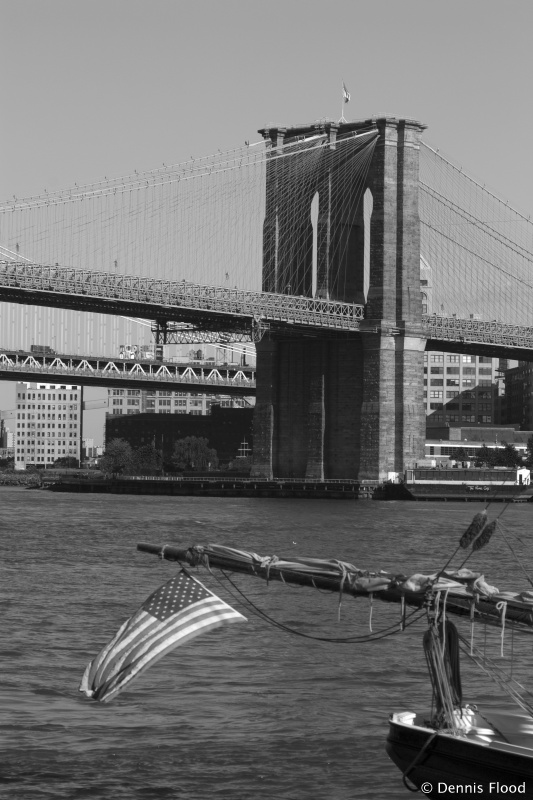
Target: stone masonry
x: 347, y: 407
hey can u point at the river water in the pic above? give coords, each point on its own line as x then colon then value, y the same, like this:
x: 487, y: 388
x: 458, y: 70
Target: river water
x: 246, y: 712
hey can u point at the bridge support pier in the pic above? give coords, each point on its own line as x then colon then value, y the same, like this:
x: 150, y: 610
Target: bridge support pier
x: 348, y: 407
x: 393, y: 425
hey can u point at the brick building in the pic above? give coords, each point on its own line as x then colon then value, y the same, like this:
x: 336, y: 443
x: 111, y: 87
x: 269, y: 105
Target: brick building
x: 461, y: 389
x: 225, y: 429
x: 519, y: 395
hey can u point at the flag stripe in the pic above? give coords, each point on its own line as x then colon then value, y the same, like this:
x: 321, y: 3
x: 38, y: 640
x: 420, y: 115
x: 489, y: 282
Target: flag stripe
x: 138, y: 628
x: 133, y: 647
x: 119, y: 681
x: 178, y: 611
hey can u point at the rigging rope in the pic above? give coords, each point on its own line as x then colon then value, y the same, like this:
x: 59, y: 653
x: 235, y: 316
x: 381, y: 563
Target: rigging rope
x: 478, y: 250
x: 413, y: 617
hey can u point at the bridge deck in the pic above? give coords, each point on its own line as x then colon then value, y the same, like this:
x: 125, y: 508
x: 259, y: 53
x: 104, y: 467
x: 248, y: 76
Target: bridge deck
x: 150, y: 298
x: 204, y: 378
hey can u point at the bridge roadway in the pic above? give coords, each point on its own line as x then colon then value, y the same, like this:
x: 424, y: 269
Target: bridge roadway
x: 238, y: 313
x: 205, y: 307
x: 494, y: 339
x: 201, y: 377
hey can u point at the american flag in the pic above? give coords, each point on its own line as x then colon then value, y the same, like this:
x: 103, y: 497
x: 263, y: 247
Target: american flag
x: 178, y: 611
x: 345, y: 93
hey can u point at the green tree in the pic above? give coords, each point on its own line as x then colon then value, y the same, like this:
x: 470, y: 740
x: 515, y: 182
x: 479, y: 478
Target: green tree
x: 242, y: 464
x: 485, y: 457
x: 508, y: 457
x: 146, y: 460
x: 529, y: 453
x: 194, y: 453
x: 461, y: 454
x: 117, y: 459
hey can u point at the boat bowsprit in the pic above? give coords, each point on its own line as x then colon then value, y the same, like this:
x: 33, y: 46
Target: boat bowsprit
x: 460, y: 746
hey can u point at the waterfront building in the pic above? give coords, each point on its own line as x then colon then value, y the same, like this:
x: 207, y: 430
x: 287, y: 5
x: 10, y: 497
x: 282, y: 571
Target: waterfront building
x: 444, y: 443
x: 459, y: 389
x: 228, y: 431
x: 152, y: 401
x: 90, y: 451
x: 6, y: 442
x: 519, y: 395
x: 49, y: 423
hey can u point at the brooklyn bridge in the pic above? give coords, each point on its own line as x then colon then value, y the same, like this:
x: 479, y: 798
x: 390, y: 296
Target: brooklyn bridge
x: 342, y: 250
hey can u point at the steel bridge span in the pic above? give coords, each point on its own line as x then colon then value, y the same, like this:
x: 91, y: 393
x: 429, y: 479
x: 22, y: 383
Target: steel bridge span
x: 204, y: 308
x: 186, y: 312
x: 203, y: 378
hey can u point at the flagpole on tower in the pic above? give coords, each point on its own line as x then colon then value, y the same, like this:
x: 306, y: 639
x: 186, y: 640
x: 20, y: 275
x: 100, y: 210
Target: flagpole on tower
x: 345, y: 99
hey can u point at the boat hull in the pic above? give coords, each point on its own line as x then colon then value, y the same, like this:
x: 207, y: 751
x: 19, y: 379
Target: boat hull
x: 460, y: 766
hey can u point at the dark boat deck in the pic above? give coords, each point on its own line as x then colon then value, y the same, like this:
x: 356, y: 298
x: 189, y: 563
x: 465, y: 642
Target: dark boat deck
x: 497, y: 750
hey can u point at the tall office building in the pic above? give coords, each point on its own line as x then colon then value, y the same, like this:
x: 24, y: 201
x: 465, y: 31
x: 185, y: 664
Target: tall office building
x: 49, y: 423
x: 461, y: 389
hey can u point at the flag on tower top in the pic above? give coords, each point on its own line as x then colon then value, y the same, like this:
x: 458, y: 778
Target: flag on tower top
x: 178, y: 611
x: 345, y: 93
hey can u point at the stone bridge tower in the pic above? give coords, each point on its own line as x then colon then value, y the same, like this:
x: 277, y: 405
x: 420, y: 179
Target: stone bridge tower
x: 352, y: 407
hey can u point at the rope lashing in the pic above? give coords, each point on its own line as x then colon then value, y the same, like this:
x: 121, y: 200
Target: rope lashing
x: 502, y: 608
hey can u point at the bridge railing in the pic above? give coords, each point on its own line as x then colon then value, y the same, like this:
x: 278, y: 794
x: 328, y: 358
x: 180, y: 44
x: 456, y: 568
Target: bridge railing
x: 308, y: 311
x: 129, y: 374
x: 472, y: 330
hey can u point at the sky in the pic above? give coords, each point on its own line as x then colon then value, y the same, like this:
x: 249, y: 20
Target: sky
x: 97, y: 88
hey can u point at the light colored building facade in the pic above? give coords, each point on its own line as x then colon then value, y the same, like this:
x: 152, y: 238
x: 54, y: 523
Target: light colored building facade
x: 446, y: 442
x: 140, y: 401
x: 49, y: 423
x: 461, y: 389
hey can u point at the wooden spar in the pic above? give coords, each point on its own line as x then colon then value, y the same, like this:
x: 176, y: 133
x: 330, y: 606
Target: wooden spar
x: 274, y: 572
x: 336, y: 577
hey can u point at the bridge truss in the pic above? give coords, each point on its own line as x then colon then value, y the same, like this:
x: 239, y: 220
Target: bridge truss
x: 206, y: 378
x: 203, y: 308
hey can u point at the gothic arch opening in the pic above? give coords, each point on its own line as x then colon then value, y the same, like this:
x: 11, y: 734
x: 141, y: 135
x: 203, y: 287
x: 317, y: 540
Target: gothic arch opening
x: 314, y: 222
x: 368, y: 206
